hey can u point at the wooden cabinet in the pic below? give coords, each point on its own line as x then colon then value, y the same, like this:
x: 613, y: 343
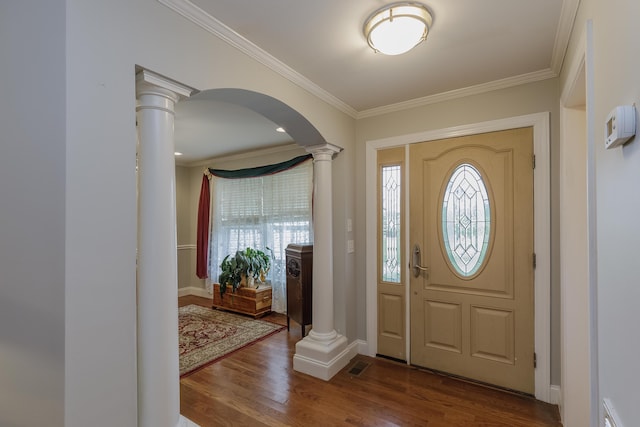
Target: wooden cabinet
x: 299, y: 264
x: 255, y: 302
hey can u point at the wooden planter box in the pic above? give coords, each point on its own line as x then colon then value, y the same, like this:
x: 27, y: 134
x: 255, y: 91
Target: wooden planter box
x: 255, y: 302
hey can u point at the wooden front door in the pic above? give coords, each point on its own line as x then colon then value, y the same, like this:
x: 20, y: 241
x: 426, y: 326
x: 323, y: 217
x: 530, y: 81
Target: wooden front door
x: 471, y: 229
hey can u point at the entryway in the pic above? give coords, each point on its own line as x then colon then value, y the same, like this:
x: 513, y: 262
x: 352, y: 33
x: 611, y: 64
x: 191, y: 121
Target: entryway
x: 476, y: 310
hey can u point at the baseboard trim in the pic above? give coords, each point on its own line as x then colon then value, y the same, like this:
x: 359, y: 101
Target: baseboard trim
x: 186, y: 422
x: 363, y: 347
x: 555, y: 394
x: 193, y: 290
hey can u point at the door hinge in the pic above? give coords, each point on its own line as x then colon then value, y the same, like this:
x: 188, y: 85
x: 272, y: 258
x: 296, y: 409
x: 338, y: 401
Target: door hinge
x: 534, y: 161
x: 535, y: 261
x: 535, y: 360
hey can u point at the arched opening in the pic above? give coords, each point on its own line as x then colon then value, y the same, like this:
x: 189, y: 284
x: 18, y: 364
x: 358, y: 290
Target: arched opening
x: 267, y: 111
x: 219, y: 122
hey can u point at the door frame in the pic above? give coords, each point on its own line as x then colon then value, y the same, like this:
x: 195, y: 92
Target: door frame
x: 542, y: 232
x: 578, y: 93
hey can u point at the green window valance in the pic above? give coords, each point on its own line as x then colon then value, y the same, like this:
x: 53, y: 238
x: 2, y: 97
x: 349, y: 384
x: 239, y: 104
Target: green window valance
x: 260, y: 170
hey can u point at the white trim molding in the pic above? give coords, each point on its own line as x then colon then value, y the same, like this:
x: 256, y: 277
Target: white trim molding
x: 319, y: 368
x: 186, y: 422
x: 194, y: 290
x: 258, y: 153
x: 214, y: 26
x: 555, y: 395
x: 363, y: 347
x: 542, y: 226
x: 565, y: 26
x: 460, y: 93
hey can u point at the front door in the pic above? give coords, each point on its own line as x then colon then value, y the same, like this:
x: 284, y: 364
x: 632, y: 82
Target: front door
x: 471, y: 231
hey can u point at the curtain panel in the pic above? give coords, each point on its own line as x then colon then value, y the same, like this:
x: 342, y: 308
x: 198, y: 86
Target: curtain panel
x: 202, y: 232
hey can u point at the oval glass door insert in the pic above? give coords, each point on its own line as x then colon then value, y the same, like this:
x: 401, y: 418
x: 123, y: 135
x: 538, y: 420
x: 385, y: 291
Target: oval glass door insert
x: 466, y: 220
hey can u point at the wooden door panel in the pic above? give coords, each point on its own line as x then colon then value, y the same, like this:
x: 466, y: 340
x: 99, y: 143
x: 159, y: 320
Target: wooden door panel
x: 472, y: 316
x: 391, y: 315
x: 497, y: 277
x: 391, y: 321
x: 448, y: 317
x: 492, y: 334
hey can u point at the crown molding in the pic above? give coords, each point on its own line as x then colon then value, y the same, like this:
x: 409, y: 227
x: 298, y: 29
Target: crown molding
x: 460, y: 93
x: 563, y: 35
x: 242, y: 155
x: 212, y: 25
x: 207, y: 22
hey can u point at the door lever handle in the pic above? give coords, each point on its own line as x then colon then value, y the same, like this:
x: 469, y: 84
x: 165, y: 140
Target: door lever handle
x: 416, y: 267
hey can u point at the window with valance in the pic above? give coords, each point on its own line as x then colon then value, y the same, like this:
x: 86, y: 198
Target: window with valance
x: 266, y: 207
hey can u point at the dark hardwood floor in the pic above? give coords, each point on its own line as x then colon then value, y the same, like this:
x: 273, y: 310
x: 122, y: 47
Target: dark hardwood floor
x: 256, y: 386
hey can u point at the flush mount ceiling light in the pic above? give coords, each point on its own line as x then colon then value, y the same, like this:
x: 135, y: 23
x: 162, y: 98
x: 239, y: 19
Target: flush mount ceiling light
x: 397, y: 28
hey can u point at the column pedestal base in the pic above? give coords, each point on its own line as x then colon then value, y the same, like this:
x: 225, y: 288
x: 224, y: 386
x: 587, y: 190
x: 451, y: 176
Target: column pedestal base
x: 321, y: 358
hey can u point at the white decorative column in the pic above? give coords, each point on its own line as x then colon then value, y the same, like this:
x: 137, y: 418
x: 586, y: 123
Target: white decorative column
x: 157, y: 281
x: 323, y: 352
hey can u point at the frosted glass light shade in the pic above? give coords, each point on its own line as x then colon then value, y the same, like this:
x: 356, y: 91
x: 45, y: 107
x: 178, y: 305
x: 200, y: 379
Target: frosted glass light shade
x: 397, y: 28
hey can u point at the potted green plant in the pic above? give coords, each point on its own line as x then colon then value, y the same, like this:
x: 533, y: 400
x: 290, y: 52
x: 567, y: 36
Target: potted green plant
x: 230, y: 275
x: 248, y: 266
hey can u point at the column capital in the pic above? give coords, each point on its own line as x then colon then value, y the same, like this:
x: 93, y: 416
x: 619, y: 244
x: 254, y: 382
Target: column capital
x: 324, y: 151
x: 150, y: 83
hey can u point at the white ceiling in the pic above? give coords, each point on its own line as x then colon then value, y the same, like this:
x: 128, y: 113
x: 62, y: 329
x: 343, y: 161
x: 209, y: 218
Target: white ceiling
x: 473, y: 46
x: 208, y: 128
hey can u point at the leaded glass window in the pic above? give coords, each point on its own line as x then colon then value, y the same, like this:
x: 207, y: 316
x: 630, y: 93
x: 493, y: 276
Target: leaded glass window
x: 391, y: 180
x: 466, y: 220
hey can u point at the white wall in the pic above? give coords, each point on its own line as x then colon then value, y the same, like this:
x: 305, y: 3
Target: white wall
x: 616, y: 61
x: 184, y: 204
x: 617, y: 81
x: 32, y: 213
x: 185, y: 216
x: 105, y: 41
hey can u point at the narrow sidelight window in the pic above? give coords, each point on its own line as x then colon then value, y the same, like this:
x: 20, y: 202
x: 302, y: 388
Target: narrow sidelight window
x: 391, y: 192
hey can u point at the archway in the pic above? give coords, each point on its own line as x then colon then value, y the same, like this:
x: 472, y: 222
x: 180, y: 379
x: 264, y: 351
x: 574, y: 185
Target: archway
x: 323, y: 352
x: 295, y: 124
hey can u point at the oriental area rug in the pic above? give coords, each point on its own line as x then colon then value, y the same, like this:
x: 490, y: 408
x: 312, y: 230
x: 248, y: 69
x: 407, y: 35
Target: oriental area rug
x: 206, y: 335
